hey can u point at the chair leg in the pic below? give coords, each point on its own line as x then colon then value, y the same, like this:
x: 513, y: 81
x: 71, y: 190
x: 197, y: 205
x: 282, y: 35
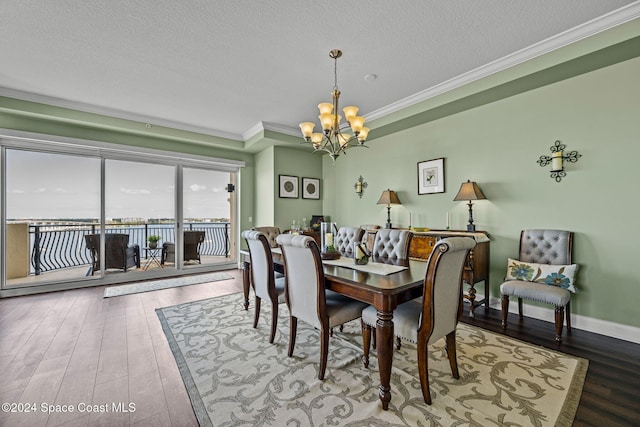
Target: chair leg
x: 366, y: 343
x: 373, y: 339
x: 257, y: 313
x: 274, y: 321
x: 567, y: 308
x: 423, y: 358
x: 520, y: 308
x: 559, y: 321
x: 324, y: 352
x: 452, y: 354
x: 293, y: 327
x: 505, y: 310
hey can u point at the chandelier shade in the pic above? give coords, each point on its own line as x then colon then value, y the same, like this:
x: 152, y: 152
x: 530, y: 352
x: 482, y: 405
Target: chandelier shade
x: 334, y: 139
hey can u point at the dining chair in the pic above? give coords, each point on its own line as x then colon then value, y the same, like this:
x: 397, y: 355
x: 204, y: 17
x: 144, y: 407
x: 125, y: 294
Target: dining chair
x: 370, y: 231
x: 306, y: 296
x: 345, y: 237
x: 265, y: 284
x: 543, y: 273
x: 425, y: 320
x: 391, y: 244
x: 270, y: 233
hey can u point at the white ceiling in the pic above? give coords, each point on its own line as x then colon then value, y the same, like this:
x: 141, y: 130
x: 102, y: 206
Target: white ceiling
x: 223, y: 67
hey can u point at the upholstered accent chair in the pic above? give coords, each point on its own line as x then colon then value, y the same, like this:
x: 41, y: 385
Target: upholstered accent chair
x: 306, y: 295
x: 265, y: 284
x: 391, y: 244
x: 270, y: 233
x: 192, y: 242
x: 118, y: 253
x: 425, y: 320
x: 547, y: 248
x: 345, y: 238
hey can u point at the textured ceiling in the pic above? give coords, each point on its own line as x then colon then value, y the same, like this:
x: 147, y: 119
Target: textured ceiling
x: 222, y: 67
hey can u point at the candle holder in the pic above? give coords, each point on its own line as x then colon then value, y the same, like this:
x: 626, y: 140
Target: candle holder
x: 557, y: 158
x: 360, y: 253
x: 328, y: 231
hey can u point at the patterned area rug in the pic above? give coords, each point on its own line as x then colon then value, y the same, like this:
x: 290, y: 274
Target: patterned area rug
x: 154, y: 285
x: 235, y: 377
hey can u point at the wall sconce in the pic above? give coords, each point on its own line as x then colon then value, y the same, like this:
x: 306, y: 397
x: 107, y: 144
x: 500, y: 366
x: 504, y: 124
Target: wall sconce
x: 469, y: 191
x: 360, y: 186
x: 388, y: 198
x: 556, y: 160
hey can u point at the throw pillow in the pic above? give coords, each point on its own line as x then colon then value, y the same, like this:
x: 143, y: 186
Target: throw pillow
x: 548, y: 274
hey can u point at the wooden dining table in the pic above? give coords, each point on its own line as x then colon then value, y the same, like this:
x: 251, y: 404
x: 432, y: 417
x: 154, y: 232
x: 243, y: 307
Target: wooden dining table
x: 384, y: 292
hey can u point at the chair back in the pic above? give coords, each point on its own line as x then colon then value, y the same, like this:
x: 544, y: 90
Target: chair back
x: 345, y: 238
x: 546, y: 246
x: 270, y: 233
x: 391, y: 244
x: 442, y: 301
x: 261, y: 264
x: 304, y: 288
x: 192, y: 242
x: 115, y: 249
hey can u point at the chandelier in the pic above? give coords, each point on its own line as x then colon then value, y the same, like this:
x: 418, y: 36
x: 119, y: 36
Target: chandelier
x: 334, y: 140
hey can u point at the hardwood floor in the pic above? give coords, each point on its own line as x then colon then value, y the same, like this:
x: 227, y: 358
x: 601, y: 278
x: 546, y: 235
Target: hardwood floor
x: 74, y: 347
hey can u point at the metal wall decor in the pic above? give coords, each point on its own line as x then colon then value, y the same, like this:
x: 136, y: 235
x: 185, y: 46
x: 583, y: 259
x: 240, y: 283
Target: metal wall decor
x: 557, y: 158
x: 360, y: 185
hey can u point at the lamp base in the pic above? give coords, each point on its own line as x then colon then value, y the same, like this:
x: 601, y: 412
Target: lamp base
x: 471, y: 227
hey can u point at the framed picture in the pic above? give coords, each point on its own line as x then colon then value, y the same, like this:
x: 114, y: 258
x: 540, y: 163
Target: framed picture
x: 431, y: 176
x: 310, y: 188
x: 288, y: 187
x: 315, y: 222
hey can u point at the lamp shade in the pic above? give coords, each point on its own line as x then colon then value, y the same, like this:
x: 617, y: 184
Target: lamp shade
x: 469, y: 191
x: 388, y: 197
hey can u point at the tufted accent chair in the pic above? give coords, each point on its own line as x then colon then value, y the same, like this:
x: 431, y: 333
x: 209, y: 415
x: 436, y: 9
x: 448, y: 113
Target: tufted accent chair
x: 306, y: 296
x: 391, y: 244
x: 270, y: 233
x: 265, y: 284
x: 426, y: 320
x: 345, y: 238
x: 542, y: 247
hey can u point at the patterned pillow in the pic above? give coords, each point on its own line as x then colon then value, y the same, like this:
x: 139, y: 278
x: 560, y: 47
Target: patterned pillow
x: 548, y: 274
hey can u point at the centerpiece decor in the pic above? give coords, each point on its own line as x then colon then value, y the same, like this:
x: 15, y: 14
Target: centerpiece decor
x: 153, y: 241
x: 328, y: 231
x: 360, y: 253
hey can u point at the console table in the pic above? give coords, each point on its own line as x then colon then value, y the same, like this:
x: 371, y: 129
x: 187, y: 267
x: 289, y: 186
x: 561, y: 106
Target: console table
x: 476, y: 266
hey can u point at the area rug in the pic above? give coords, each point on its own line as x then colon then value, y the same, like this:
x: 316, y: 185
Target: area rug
x: 154, y: 285
x: 234, y: 377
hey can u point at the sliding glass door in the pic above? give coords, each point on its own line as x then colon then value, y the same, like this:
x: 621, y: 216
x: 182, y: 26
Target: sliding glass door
x: 52, y: 203
x: 207, y: 217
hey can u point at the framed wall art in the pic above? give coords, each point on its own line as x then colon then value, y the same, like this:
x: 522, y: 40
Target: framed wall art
x: 310, y: 188
x: 288, y: 187
x: 431, y: 176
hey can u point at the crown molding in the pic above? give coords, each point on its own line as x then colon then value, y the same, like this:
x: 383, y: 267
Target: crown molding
x: 113, y: 112
x: 588, y: 29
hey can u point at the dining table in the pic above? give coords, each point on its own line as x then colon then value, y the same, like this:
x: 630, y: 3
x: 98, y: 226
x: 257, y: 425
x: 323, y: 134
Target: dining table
x: 384, y: 288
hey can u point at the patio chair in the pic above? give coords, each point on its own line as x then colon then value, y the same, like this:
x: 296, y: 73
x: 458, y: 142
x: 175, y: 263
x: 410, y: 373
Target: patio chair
x: 118, y: 253
x: 192, y: 242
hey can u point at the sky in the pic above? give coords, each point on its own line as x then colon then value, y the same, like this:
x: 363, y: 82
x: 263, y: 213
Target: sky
x: 44, y: 185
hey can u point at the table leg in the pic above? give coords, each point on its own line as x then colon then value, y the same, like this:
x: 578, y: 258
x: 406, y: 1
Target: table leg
x: 384, y: 344
x: 246, y: 282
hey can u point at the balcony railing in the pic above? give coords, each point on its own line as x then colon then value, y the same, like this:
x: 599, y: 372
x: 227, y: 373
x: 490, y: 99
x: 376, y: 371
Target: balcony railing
x: 61, y: 246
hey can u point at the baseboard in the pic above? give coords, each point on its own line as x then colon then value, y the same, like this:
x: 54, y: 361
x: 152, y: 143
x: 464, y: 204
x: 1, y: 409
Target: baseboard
x: 602, y: 327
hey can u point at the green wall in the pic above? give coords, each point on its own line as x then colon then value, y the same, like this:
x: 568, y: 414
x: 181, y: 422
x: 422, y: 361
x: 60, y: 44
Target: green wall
x: 497, y: 145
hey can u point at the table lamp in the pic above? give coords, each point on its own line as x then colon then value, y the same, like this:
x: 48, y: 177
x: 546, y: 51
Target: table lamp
x: 388, y: 198
x: 470, y: 191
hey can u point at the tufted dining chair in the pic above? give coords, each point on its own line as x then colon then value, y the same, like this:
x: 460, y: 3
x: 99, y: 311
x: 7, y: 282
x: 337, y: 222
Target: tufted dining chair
x: 270, y: 233
x: 345, y: 237
x: 265, y: 284
x: 425, y: 320
x: 541, y: 249
x: 370, y: 231
x: 306, y: 295
x: 391, y: 244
